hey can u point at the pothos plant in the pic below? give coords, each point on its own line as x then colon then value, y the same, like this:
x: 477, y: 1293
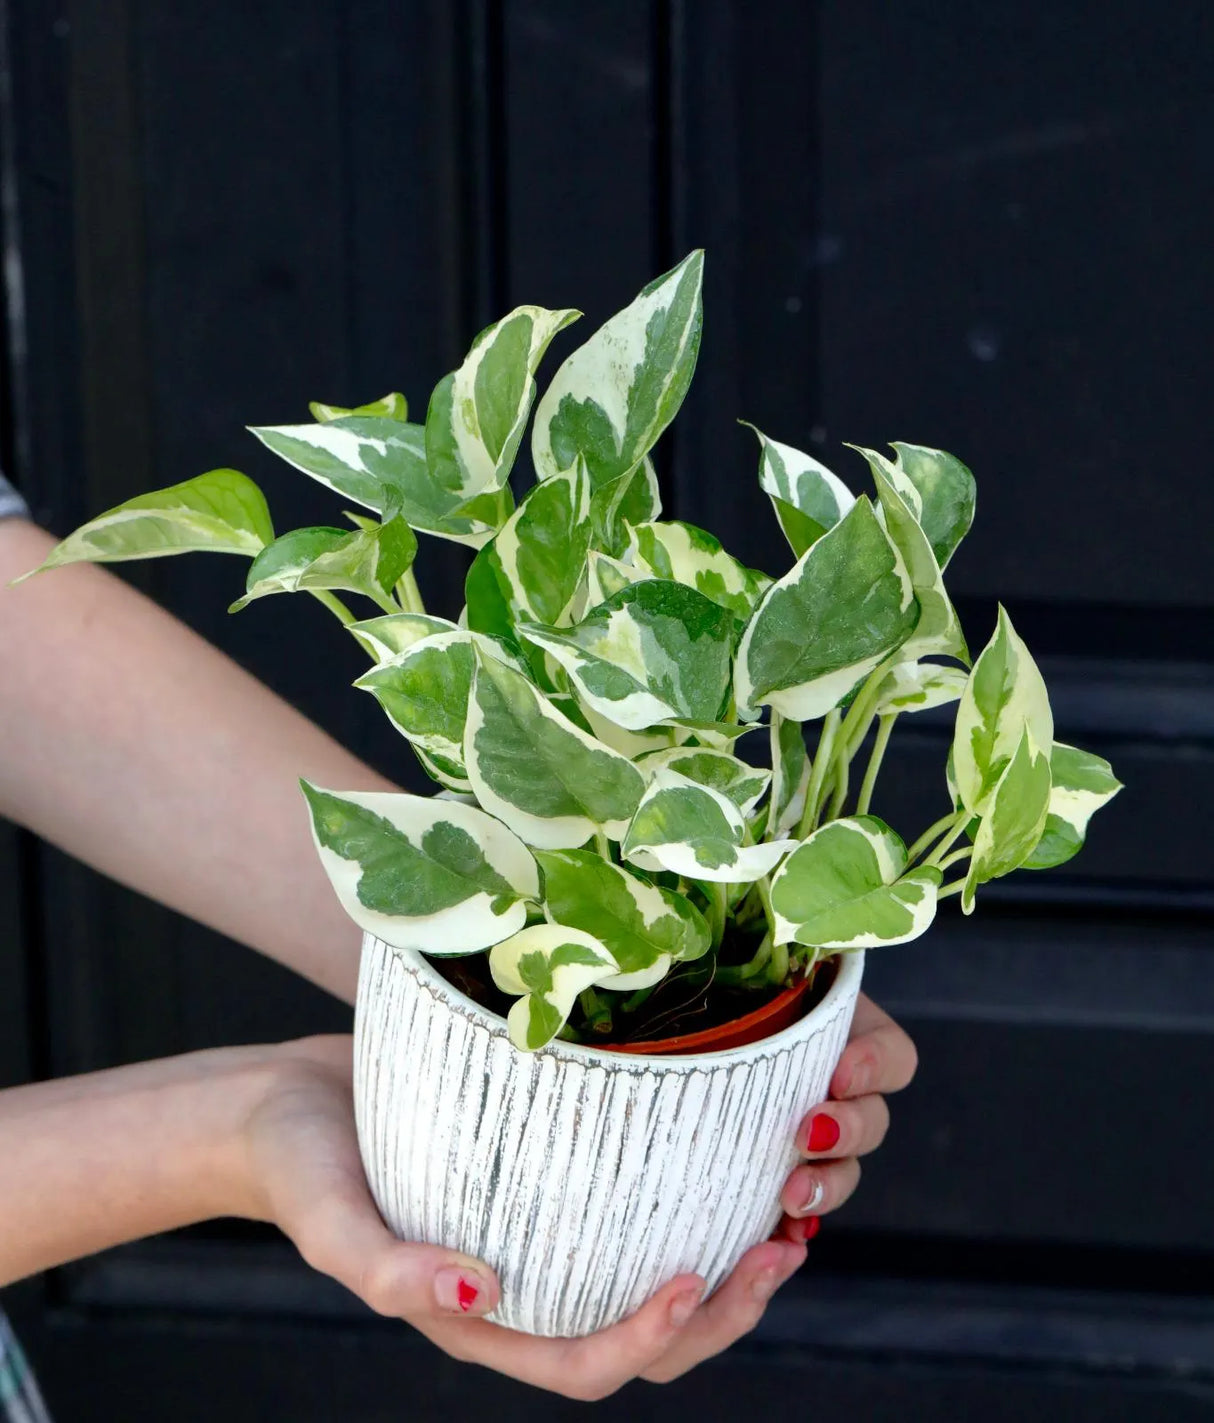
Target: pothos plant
x: 599, y: 828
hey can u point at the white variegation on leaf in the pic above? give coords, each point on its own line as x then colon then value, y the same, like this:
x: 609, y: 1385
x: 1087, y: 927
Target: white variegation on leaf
x: 686, y: 554
x: 835, y: 617
x: 219, y: 512
x: 633, y: 498
x: 807, y: 497
x: 789, y: 776
x: 719, y: 770
x: 548, y: 965
x: 382, y: 638
x: 940, y: 490
x: 392, y: 406
x: 633, y: 744
x: 368, y: 561
x: 645, y: 927
x: 546, y: 778
x: 1080, y: 783
x: 697, y: 832
x: 421, y: 872
x: 478, y: 413
x: 1013, y: 818
x: 604, y: 577
x: 654, y: 652
x: 846, y: 887
x: 1004, y: 695
x: 919, y: 686
x: 448, y: 774
x: 614, y: 396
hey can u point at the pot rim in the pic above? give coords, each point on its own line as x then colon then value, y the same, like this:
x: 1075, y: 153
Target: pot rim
x: 845, y: 987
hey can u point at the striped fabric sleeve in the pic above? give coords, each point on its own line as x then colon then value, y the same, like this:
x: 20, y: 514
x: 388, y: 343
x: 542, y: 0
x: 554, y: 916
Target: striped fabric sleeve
x: 20, y: 1401
x: 11, y: 503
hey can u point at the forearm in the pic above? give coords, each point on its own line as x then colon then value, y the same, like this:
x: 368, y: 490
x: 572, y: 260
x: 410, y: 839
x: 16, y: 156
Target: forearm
x: 90, y: 1162
x: 137, y: 747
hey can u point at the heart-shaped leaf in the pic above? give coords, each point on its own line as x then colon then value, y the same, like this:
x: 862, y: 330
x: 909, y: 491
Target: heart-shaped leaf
x: 940, y: 490
x: 633, y: 498
x: 1080, y: 783
x: 1013, y: 818
x: 807, y: 497
x: 919, y: 686
x: 683, y: 553
x: 368, y: 561
x: 549, y: 964
x: 382, y: 638
x: 720, y: 771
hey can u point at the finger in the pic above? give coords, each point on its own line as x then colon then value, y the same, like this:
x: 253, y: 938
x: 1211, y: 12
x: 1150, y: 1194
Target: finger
x: 879, y: 1057
x: 819, y: 1188
x: 837, y: 1129
x: 346, y: 1239
x: 586, y: 1369
x: 733, y: 1310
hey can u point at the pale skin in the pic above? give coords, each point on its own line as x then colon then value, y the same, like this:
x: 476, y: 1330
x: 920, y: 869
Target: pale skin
x: 106, y: 703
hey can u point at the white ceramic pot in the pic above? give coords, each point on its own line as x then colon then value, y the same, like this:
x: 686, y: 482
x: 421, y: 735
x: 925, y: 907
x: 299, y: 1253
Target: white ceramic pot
x: 585, y: 1178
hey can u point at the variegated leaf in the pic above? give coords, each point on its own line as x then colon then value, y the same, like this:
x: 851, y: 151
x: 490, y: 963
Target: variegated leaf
x: 219, y: 512
x: 1005, y: 694
x: 938, y: 628
x: 695, y: 831
x: 448, y: 774
x: 382, y: 638
x: 1013, y: 818
x: 1080, y: 783
x: 633, y: 744
x: 546, y: 778
x: 789, y: 775
x: 683, y: 553
x: 919, y: 686
x: 421, y: 872
x: 644, y: 926
x: 720, y: 771
x: 605, y: 576
x: 844, y: 607
x: 633, y: 498
x: 652, y: 653
x: 549, y: 965
x: 846, y: 888
x: 807, y: 497
x: 392, y: 406
x: 940, y: 490
x: 367, y: 561
x: 614, y: 396
x: 478, y: 413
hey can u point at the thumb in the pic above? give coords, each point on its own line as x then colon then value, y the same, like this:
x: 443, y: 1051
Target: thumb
x: 346, y: 1239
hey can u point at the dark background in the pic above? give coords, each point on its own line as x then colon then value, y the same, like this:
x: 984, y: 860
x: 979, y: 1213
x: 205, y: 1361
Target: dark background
x: 984, y: 227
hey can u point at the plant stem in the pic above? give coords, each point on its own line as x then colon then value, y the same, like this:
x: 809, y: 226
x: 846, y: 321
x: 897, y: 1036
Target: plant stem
x: 602, y: 845
x: 817, y: 777
x: 741, y: 973
x: 777, y: 965
x: 885, y: 725
x: 718, y: 910
x: 409, y: 593
x: 955, y: 888
x: 842, y: 782
x: 597, y: 1011
x: 945, y: 822
x: 334, y: 605
x: 963, y: 819
x: 956, y: 857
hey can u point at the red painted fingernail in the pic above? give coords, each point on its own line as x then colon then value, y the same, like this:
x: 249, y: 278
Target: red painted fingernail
x: 823, y: 1133
x: 813, y: 1224
x: 457, y: 1290
x: 801, y: 1232
x: 466, y: 1294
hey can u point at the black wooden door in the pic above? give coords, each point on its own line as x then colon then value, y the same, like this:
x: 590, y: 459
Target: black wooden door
x: 983, y: 227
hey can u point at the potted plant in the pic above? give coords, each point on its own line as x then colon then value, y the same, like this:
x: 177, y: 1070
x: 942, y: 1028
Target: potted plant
x: 612, y: 961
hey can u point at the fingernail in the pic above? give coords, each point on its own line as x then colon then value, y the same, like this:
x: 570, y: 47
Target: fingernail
x: 812, y: 1226
x: 823, y: 1133
x: 814, y: 1199
x: 801, y: 1232
x: 684, y: 1306
x: 456, y: 1291
x: 764, y: 1285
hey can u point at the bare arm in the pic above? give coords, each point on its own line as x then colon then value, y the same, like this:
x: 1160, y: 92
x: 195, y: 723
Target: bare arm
x: 134, y: 745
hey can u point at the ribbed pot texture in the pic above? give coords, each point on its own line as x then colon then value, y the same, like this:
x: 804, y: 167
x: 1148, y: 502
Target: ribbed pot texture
x: 585, y: 1178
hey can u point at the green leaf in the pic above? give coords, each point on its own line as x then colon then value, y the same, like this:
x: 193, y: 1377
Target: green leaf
x: 720, y: 771
x: 1080, y: 783
x: 367, y: 561
x: 1013, y: 819
x: 845, y: 888
x: 614, y: 396
x: 605, y: 576
x: 546, y: 778
x: 844, y: 607
x: 683, y: 553
x: 219, y: 512
x: 644, y: 926
x: 919, y: 686
x: 653, y: 652
x: 790, y: 774
x: 807, y: 497
x: 423, y: 872
x: 478, y: 413
x: 945, y: 495
x: 1005, y: 694
x: 382, y: 638
x: 549, y: 964
x: 633, y: 498
x: 392, y: 406
x: 694, y: 831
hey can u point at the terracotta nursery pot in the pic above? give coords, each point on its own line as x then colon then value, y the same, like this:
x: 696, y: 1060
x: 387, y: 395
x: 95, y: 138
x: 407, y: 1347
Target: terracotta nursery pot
x: 585, y: 1177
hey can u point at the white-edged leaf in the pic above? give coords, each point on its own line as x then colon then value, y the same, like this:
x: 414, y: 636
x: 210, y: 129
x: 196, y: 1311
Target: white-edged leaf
x: 421, y: 872
x: 1080, y: 783
x: 789, y: 776
x: 807, y: 497
x: 940, y: 489
x: 633, y: 498
x: 382, y: 638
x: 742, y: 783
x: 843, y: 608
x: 1013, y: 818
x: 686, y: 554
x: 653, y: 652
x: 845, y: 888
x: 604, y: 577
x: 614, y: 396
x: 392, y: 406
x: 919, y: 686
x: 546, y: 778
x: 222, y: 511
x: 368, y: 561
x: 549, y: 965
x: 633, y: 744
x: 1005, y: 693
x: 696, y: 832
